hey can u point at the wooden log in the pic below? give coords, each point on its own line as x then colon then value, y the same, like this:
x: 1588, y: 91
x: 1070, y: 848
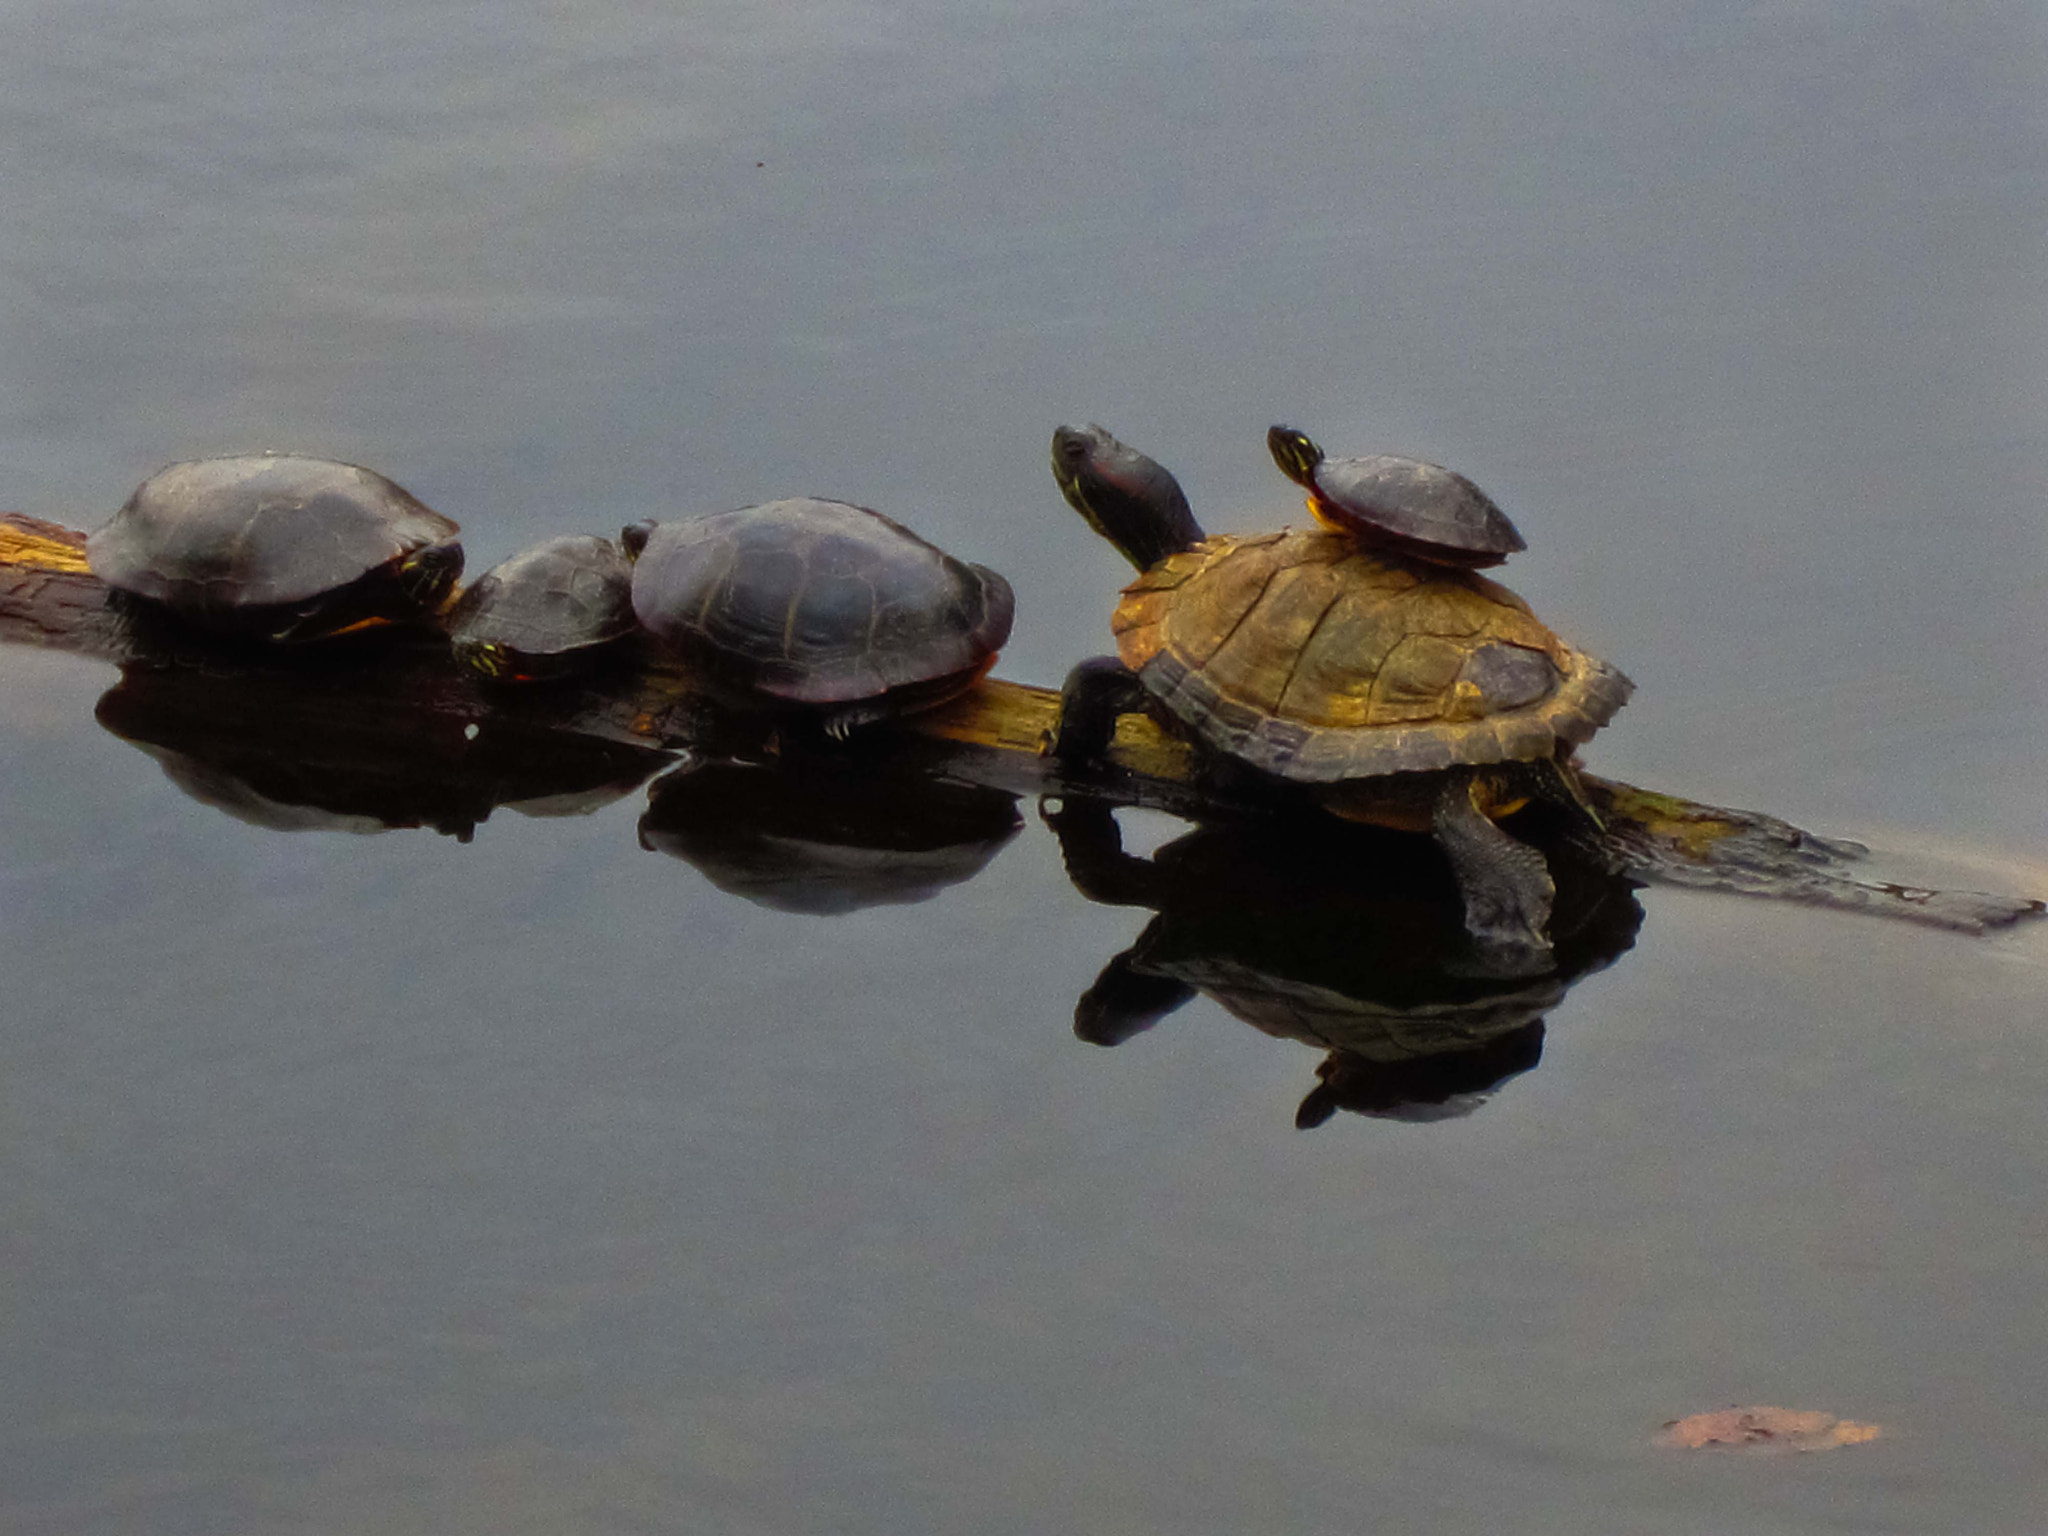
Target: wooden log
x: 993, y: 735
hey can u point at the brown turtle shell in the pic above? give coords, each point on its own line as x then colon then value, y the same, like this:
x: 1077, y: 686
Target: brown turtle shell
x: 1312, y: 658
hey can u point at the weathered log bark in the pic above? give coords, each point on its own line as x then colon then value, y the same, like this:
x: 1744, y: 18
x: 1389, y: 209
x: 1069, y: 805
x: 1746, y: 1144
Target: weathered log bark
x: 991, y: 736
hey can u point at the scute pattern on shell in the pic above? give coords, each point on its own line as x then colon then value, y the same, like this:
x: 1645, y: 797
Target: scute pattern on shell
x: 254, y: 530
x: 562, y: 595
x: 1311, y: 658
x: 819, y: 602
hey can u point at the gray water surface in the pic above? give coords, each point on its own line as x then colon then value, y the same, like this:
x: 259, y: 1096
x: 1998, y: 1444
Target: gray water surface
x: 389, y: 1182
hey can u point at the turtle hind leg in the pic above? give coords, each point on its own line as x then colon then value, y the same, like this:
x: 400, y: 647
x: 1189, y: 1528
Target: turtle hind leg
x: 1505, y: 883
x: 1094, y: 694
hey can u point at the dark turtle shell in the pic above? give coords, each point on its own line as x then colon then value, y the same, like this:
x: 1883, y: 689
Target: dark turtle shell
x: 547, y: 611
x: 819, y: 604
x: 278, y: 545
x: 1421, y: 510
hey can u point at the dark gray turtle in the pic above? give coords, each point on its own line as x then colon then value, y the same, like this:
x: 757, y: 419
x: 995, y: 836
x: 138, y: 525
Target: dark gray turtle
x: 547, y: 612
x: 278, y: 546
x: 820, y: 605
x: 1421, y: 510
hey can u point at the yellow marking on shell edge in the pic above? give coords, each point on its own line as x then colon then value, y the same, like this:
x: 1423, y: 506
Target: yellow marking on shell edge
x: 29, y: 550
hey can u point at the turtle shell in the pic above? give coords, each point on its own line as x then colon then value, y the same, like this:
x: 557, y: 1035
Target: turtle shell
x: 1421, y: 510
x: 544, y: 612
x: 1314, y: 659
x: 290, y: 546
x: 821, y: 604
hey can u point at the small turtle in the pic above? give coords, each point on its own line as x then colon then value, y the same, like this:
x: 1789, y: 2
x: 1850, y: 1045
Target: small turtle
x: 547, y: 612
x: 1412, y: 696
x: 820, y: 605
x: 278, y: 546
x: 1420, y: 510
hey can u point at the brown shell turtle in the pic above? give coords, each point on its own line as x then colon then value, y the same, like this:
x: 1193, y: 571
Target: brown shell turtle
x: 1416, y: 696
x: 1417, y: 509
x: 278, y: 546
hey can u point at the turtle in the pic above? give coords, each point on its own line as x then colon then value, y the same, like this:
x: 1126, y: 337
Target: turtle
x: 818, y: 606
x: 1420, y: 510
x: 1414, y: 696
x: 547, y: 612
x: 278, y: 546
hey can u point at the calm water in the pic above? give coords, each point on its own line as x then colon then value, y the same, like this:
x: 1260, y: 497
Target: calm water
x: 537, y: 1183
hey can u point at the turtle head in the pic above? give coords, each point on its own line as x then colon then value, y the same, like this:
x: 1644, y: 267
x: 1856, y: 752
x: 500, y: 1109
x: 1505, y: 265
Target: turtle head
x: 1296, y: 453
x: 1126, y: 497
x: 634, y: 536
x: 429, y: 574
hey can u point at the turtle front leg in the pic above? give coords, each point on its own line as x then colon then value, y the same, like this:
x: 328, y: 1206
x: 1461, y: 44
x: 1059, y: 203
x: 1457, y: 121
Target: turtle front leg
x: 1506, y: 883
x: 1094, y: 694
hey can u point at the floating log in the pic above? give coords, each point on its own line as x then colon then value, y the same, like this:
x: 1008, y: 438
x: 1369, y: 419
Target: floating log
x: 993, y: 735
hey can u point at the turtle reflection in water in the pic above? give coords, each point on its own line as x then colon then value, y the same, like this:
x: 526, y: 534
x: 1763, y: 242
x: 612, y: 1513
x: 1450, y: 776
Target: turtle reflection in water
x: 826, y: 838
x: 364, y: 752
x: 1344, y: 937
